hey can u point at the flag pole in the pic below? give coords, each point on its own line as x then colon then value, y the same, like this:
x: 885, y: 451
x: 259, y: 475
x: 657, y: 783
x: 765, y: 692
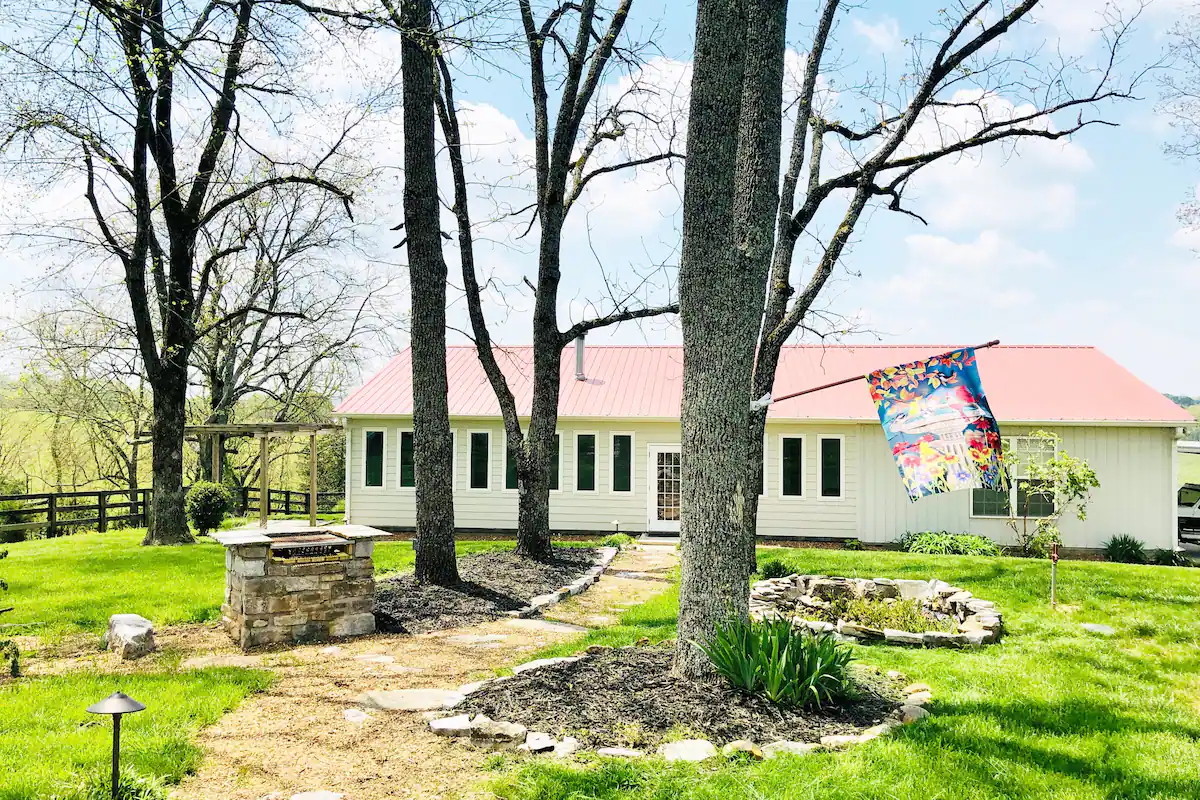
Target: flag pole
x: 844, y: 381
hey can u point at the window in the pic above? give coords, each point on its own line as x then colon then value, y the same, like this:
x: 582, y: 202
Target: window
x: 791, y: 466
x: 585, y: 462
x: 622, y: 462
x: 831, y: 467
x: 1189, y: 496
x: 481, y: 459
x: 1018, y: 452
x: 408, y: 469
x: 373, y: 449
x: 510, y: 467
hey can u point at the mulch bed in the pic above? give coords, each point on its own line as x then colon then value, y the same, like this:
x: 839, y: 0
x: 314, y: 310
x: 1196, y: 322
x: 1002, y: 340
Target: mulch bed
x: 628, y: 697
x: 492, y: 584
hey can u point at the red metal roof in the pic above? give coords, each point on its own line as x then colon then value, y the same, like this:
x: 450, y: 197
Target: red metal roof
x: 1024, y: 383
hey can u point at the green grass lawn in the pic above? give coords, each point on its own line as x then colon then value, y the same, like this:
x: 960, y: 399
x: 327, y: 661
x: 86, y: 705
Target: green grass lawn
x: 74, y: 583
x: 1051, y: 712
x: 49, y: 745
x: 1189, y: 468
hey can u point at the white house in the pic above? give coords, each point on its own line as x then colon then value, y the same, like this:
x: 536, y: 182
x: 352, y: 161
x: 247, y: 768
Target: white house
x: 829, y: 473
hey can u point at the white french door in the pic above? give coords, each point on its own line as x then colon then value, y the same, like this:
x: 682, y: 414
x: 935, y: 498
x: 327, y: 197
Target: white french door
x: 664, y: 494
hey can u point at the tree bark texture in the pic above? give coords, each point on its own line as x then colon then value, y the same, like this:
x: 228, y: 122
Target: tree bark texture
x: 169, y: 523
x: 721, y: 286
x: 432, y: 450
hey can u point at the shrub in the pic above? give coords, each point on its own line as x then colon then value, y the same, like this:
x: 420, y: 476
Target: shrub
x: 773, y: 568
x: 618, y: 540
x: 207, y: 506
x: 1171, y: 558
x: 1125, y: 549
x: 853, y: 544
x: 786, y: 666
x: 945, y: 543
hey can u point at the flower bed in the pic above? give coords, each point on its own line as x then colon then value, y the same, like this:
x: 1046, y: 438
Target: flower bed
x: 904, y: 612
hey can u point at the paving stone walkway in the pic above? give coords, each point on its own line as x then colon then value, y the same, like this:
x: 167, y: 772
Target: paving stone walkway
x: 324, y: 726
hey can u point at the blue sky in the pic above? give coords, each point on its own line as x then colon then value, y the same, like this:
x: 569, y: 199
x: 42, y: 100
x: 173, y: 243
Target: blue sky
x: 1056, y: 244
x: 1081, y: 247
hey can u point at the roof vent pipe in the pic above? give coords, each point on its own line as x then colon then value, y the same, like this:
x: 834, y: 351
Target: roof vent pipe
x: 579, y: 374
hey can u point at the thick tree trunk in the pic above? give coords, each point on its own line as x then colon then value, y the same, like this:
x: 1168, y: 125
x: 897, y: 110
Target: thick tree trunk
x: 432, y: 451
x: 168, y: 523
x: 533, y: 502
x: 728, y: 183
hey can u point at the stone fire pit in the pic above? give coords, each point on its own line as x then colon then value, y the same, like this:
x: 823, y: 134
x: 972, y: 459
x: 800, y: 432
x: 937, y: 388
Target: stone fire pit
x: 976, y: 621
x: 295, y: 584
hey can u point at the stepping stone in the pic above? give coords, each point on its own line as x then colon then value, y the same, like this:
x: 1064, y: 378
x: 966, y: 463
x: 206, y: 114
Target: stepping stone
x: 410, y: 699
x: 320, y: 795
x: 375, y: 658
x: 543, y: 662
x: 451, y: 726
x: 357, y: 716
x: 688, y: 750
x: 776, y: 749
x: 537, y: 742
x: 619, y: 752
x: 545, y: 626
x: 475, y: 639
x: 566, y: 747
x: 1101, y: 630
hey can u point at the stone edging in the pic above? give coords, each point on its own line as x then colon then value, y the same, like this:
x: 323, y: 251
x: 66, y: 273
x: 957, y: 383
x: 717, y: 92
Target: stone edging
x: 577, y: 586
x: 482, y: 731
x: 979, y: 621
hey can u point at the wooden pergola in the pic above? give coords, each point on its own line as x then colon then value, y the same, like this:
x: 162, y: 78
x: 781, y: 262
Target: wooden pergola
x: 263, y: 431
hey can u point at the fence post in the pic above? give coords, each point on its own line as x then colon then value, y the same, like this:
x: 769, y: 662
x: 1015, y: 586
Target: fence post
x: 51, y: 515
x: 102, y: 512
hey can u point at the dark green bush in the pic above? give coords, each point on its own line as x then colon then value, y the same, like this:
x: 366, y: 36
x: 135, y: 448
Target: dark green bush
x: 944, y: 543
x: 1171, y: 558
x: 1125, y: 549
x: 773, y: 568
x: 786, y: 666
x: 853, y: 544
x: 207, y: 506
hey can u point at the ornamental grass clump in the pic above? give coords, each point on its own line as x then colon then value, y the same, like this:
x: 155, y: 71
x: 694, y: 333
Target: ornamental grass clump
x: 943, y: 543
x: 1125, y: 549
x: 785, y: 666
x: 773, y: 568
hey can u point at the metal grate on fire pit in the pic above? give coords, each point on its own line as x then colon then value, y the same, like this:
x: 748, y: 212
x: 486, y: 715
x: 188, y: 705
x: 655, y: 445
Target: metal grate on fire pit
x: 320, y: 546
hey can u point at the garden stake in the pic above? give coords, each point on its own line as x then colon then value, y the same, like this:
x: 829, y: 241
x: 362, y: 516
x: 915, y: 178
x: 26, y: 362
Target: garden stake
x: 1054, y: 575
x: 116, y: 705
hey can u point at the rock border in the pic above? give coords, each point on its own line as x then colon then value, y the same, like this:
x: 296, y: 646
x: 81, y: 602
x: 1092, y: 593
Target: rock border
x: 979, y: 621
x: 479, y: 730
x: 577, y: 586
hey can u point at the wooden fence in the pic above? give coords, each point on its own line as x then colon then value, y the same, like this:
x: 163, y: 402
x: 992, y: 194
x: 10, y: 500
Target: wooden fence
x: 58, y: 513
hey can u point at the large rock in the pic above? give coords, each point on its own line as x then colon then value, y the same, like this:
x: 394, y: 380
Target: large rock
x: 831, y: 589
x: 538, y: 742
x: 903, y: 637
x: 688, y: 750
x: 913, y: 590
x: 459, y: 725
x: 483, y: 727
x: 410, y: 699
x: 129, y: 635
x: 910, y: 714
x: 742, y: 747
x: 566, y: 747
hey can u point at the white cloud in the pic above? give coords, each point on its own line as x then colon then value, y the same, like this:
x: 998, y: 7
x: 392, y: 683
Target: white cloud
x: 883, y: 36
x: 1076, y: 25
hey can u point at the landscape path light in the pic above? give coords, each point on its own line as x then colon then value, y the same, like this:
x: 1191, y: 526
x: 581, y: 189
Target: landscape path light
x: 116, y: 705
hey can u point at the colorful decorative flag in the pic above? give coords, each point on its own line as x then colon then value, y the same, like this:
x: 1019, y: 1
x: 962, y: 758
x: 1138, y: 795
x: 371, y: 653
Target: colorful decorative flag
x: 937, y: 420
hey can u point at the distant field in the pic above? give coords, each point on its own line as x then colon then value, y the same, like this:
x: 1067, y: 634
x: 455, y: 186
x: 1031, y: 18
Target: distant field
x: 1189, y: 468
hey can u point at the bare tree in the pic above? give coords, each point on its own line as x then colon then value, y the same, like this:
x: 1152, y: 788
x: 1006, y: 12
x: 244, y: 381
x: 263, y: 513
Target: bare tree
x: 566, y: 161
x: 149, y: 107
x: 1180, y: 99
x: 292, y: 314
x: 963, y: 91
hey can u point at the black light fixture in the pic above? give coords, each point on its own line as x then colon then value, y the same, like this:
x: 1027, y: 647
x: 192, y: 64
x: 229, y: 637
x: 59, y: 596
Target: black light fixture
x: 116, y: 705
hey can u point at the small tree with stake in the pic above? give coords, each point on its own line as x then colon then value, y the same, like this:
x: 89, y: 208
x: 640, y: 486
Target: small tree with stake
x: 1063, y: 481
x: 8, y: 648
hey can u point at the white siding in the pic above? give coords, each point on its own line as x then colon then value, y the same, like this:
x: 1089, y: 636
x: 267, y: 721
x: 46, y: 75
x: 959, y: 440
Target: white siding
x: 496, y: 508
x: 1136, y: 494
x: 1134, y: 466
